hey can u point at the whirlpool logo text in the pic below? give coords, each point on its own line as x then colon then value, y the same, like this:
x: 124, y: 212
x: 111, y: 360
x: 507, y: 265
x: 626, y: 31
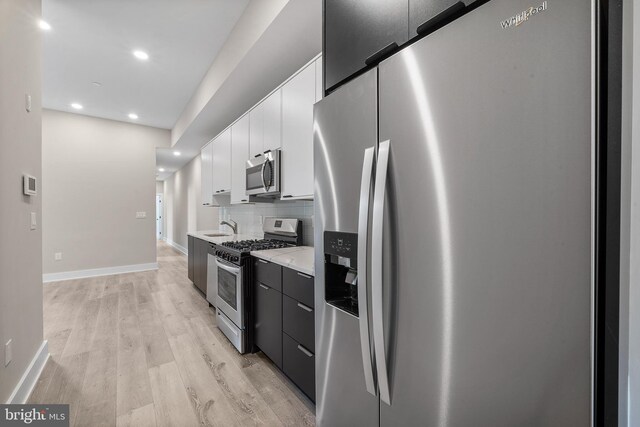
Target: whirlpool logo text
x: 523, y: 16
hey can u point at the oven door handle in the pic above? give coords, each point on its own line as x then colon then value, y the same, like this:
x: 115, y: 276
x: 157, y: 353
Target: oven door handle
x: 230, y: 269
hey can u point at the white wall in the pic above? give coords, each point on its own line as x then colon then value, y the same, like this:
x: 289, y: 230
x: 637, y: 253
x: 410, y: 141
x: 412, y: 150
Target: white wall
x: 20, y: 152
x: 97, y: 174
x: 632, y: 151
x: 159, y: 187
x: 183, y: 205
x: 629, y: 407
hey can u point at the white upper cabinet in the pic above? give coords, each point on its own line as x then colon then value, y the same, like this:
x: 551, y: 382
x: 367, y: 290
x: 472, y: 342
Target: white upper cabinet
x: 298, y: 97
x: 222, y: 163
x: 206, y: 156
x: 319, y: 83
x: 256, y: 130
x: 239, y: 157
x: 272, y: 116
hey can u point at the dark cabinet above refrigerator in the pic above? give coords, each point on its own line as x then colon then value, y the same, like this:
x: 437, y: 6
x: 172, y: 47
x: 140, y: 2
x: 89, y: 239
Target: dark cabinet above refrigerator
x: 355, y: 30
x: 358, y: 34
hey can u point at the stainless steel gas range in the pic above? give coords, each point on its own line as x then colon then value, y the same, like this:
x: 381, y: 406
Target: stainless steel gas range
x: 234, y: 302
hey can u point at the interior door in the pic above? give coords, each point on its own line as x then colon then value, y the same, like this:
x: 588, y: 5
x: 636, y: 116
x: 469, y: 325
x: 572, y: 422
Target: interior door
x: 345, y: 125
x: 488, y: 229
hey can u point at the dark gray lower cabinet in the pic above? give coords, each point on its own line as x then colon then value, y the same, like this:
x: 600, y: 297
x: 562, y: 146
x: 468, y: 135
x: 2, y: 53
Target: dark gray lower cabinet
x: 284, y: 324
x: 197, y: 260
x: 298, y: 321
x: 268, y: 321
x: 299, y: 364
x: 191, y: 249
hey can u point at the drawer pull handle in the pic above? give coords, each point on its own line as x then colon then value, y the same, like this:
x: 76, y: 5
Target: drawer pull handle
x: 305, y: 351
x: 262, y: 261
x: 264, y: 287
x: 304, y: 275
x: 304, y: 307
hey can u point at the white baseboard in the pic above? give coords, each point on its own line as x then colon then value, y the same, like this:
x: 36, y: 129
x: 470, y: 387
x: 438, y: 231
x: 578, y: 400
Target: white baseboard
x: 30, y: 377
x: 177, y: 246
x: 96, y: 272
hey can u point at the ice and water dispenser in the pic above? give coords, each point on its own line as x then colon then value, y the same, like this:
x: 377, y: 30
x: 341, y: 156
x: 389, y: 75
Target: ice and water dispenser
x: 341, y: 270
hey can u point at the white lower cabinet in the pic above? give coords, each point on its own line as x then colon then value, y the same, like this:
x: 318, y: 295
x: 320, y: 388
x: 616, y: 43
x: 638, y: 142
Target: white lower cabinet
x: 298, y: 97
x: 222, y: 163
x: 206, y: 176
x: 239, y: 157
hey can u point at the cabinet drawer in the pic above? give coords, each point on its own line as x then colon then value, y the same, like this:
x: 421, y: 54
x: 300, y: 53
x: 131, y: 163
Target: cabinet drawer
x: 298, y: 322
x: 298, y: 286
x: 299, y: 364
x: 268, y: 322
x: 268, y: 273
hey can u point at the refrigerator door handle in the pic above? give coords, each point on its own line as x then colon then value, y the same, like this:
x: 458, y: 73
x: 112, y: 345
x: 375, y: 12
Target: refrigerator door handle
x: 363, y: 244
x: 376, y: 270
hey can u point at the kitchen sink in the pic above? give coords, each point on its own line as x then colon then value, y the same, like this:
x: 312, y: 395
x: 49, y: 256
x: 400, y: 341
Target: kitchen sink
x: 217, y: 235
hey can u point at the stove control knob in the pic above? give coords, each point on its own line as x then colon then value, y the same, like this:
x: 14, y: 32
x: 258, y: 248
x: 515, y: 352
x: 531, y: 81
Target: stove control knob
x: 235, y: 259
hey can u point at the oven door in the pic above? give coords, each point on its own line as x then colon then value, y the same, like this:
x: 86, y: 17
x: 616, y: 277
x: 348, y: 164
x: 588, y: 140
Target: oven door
x: 263, y: 174
x: 230, y: 293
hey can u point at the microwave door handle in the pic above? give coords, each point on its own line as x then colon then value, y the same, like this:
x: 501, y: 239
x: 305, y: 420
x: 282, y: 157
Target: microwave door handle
x: 376, y: 270
x: 363, y: 230
x: 264, y: 183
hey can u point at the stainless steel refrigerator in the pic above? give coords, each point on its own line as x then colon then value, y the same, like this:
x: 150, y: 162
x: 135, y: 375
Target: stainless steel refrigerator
x: 454, y: 227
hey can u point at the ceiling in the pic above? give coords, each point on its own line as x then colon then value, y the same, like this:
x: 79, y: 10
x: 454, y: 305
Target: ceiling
x: 93, y: 41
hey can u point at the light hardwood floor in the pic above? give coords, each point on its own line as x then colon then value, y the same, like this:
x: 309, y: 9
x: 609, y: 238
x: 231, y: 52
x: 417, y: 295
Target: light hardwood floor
x: 142, y: 349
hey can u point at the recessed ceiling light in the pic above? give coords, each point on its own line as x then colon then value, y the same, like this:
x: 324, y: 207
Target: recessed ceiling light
x: 176, y: 153
x: 133, y: 116
x: 161, y: 170
x: 77, y: 106
x: 96, y: 84
x: 44, y: 25
x: 141, y: 55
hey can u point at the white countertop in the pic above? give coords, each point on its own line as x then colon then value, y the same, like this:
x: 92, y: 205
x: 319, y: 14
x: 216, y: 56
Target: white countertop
x: 202, y: 235
x: 299, y: 258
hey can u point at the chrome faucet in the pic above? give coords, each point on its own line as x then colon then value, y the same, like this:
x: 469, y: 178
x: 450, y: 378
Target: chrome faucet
x: 232, y: 224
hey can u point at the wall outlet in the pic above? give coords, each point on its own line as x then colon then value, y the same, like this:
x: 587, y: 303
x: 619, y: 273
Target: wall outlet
x: 57, y: 256
x: 8, y: 352
x: 141, y: 215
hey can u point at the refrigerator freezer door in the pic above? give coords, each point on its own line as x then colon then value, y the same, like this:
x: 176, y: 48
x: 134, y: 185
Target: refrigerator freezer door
x: 345, y: 125
x: 488, y: 238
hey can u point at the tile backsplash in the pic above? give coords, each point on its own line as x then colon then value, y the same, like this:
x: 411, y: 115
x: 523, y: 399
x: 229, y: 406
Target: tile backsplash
x: 249, y: 216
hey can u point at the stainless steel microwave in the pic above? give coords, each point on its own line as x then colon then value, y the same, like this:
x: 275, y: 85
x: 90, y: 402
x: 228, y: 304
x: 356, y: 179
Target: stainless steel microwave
x: 263, y: 174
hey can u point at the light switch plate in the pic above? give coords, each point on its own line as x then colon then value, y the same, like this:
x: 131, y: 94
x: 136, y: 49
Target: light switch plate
x: 141, y: 215
x: 27, y: 102
x: 57, y: 256
x: 34, y: 221
x: 8, y: 352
